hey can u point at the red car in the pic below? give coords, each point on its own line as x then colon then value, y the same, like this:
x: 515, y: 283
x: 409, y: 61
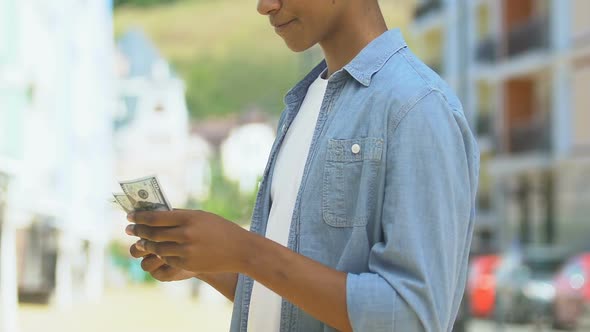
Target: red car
x: 572, y: 292
x: 481, y: 285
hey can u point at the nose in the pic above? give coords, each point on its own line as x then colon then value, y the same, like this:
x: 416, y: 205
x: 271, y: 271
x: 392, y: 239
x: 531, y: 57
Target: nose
x: 267, y: 7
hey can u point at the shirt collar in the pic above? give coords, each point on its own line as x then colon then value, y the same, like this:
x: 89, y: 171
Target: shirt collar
x: 374, y: 56
x: 300, y: 90
x: 362, y: 68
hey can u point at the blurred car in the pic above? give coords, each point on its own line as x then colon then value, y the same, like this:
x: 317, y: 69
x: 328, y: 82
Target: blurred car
x: 481, y: 285
x: 572, y: 292
x: 524, y: 284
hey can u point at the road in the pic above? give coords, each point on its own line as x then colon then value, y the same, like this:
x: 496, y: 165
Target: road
x: 132, y: 309
x: 156, y: 309
x: 489, y: 326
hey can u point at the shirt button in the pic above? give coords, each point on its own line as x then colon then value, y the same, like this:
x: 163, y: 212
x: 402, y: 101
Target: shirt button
x: 356, y: 149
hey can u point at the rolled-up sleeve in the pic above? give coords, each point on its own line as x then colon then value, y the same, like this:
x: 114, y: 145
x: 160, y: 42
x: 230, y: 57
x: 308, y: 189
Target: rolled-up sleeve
x: 417, y: 269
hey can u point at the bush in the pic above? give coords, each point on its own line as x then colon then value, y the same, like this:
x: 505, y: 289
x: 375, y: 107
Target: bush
x: 225, y: 198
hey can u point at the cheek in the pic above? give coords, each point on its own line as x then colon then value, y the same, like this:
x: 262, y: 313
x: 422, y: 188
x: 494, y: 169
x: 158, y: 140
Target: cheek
x: 327, y: 26
x: 319, y: 28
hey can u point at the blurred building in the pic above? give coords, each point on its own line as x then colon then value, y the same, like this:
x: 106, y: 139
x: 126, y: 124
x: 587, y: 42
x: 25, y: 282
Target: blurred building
x: 55, y: 145
x: 152, y: 134
x: 244, y: 154
x: 522, y: 70
x: 243, y: 142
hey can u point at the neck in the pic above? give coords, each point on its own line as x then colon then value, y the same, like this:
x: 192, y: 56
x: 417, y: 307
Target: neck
x: 360, y: 25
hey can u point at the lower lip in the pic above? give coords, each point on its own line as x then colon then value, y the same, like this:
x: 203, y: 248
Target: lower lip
x: 283, y: 27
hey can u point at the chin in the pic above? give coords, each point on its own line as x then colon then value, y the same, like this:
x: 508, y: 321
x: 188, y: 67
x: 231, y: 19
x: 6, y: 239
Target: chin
x: 299, y: 46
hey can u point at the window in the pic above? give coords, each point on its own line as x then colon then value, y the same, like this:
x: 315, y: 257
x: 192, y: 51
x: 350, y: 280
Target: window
x: 581, y: 106
x: 580, y: 25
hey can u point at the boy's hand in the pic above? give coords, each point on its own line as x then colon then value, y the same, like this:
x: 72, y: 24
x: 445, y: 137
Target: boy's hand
x: 155, y: 266
x: 195, y: 241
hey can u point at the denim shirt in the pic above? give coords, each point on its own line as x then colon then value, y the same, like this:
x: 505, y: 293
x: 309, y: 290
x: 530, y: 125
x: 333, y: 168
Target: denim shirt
x: 387, y: 194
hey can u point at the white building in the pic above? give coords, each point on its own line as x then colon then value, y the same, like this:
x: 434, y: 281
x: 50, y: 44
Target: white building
x: 244, y: 154
x: 152, y: 133
x: 522, y: 69
x: 57, y: 101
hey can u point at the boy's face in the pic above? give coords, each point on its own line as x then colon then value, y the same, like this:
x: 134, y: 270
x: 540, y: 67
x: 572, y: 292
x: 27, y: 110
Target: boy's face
x: 303, y: 23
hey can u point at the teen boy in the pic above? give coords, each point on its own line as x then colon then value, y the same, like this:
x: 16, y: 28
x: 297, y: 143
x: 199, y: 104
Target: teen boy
x: 364, y: 217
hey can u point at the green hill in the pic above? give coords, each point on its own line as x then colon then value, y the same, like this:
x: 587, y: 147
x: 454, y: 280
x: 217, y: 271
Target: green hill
x: 227, y: 53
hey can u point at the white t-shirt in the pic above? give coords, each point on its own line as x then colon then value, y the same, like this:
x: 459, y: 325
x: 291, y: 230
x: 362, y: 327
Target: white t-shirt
x: 265, y: 305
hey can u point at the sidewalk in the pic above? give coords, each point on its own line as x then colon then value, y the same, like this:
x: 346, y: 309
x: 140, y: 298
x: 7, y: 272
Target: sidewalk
x: 133, y: 309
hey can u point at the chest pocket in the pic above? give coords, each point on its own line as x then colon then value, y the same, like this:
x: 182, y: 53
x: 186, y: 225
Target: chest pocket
x: 350, y: 175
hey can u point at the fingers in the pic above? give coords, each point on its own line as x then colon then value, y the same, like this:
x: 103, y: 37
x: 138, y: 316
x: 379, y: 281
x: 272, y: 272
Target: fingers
x: 136, y: 252
x: 174, y: 261
x: 161, y: 248
x: 165, y: 273
x: 157, y: 234
x: 158, y: 269
x: 151, y: 263
x: 160, y: 218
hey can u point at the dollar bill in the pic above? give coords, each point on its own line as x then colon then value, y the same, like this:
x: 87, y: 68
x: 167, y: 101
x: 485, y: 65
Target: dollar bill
x: 123, y: 201
x: 115, y: 203
x: 145, y: 194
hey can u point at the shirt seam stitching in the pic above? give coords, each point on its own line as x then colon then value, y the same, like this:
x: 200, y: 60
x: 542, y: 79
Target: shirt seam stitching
x: 367, y: 74
x: 404, y: 110
x: 411, y: 64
